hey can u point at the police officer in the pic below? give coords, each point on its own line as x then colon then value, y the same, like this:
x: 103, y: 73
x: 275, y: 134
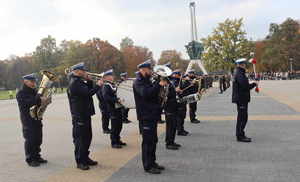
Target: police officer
x: 192, y: 90
x: 124, y: 109
x: 148, y: 109
x: 228, y: 79
x: 32, y: 128
x: 171, y: 113
x: 224, y: 83
x: 161, y: 121
x: 241, y: 97
x: 80, y: 94
x: 104, y: 111
x: 221, y: 84
x: 180, y: 84
x: 114, y: 107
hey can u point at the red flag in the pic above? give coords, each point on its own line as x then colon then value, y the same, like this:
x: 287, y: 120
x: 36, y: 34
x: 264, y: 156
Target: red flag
x: 253, y: 61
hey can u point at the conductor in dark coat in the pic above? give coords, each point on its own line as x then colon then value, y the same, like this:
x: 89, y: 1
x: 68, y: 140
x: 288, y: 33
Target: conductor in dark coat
x: 241, y: 97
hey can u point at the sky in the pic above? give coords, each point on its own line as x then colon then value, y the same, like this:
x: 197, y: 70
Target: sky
x: 156, y: 24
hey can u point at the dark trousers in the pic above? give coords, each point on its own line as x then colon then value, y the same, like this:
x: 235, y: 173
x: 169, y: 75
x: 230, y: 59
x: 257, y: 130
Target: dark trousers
x: 171, y: 124
x: 33, y: 136
x: 181, y: 117
x: 242, y: 119
x: 150, y: 140
x: 105, y: 119
x: 224, y: 86
x: 221, y: 88
x: 82, y: 138
x: 124, y: 113
x: 116, y: 126
x: 141, y: 126
x: 161, y: 111
x: 193, y: 109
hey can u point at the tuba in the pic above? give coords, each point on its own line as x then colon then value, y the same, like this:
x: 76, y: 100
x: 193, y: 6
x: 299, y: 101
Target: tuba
x: 162, y: 72
x: 45, y: 90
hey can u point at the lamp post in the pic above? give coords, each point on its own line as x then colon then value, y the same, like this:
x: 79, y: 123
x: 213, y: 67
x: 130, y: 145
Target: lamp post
x: 291, y: 64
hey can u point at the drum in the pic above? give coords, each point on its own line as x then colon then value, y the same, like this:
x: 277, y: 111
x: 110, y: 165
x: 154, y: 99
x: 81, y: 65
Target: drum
x: 125, y: 93
x: 190, y: 98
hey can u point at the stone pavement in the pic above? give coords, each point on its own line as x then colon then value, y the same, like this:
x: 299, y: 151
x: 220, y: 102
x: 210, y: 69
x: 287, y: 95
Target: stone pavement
x: 209, y: 154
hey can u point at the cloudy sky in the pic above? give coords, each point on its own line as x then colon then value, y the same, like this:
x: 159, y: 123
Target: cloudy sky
x: 156, y: 24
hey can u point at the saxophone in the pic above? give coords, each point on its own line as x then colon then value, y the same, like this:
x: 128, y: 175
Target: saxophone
x: 45, y: 90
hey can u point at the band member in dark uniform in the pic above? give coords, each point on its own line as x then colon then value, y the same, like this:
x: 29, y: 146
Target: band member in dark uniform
x: 148, y: 109
x: 32, y: 128
x: 171, y: 113
x: 161, y: 121
x: 180, y: 84
x: 192, y: 90
x: 241, y: 96
x: 104, y: 111
x: 228, y: 79
x: 124, y: 109
x: 80, y: 94
x: 114, y: 107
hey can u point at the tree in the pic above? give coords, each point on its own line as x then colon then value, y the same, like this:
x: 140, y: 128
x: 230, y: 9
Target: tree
x: 134, y: 55
x: 126, y: 42
x: 45, y: 55
x: 282, y: 46
x: 175, y: 58
x: 226, y: 44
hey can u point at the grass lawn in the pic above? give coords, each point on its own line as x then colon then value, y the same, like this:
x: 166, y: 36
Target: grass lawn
x: 4, y: 94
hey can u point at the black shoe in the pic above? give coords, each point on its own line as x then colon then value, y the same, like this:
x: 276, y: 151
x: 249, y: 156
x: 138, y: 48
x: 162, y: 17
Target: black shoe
x: 195, y: 121
x: 33, y: 164
x: 153, y: 171
x: 243, y: 139
x: 42, y: 161
x: 126, y: 121
x: 157, y: 166
x: 161, y: 121
x: 122, y: 143
x: 171, y: 147
x: 247, y: 138
x: 176, y: 144
x: 90, y: 162
x: 107, y: 131
x: 116, y: 146
x: 181, y: 133
x: 186, y: 132
x: 83, y: 167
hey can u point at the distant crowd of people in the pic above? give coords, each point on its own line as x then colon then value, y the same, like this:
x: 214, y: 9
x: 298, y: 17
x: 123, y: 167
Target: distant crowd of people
x: 275, y: 75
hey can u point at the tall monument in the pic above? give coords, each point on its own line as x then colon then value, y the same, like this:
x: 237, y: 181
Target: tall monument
x: 194, y: 48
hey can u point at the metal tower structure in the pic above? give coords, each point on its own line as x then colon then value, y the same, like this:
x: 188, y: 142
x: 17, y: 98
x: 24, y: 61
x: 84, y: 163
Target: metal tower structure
x: 193, y: 22
x: 194, y: 48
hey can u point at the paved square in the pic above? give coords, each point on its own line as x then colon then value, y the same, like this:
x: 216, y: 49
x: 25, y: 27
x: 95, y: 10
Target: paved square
x: 209, y: 154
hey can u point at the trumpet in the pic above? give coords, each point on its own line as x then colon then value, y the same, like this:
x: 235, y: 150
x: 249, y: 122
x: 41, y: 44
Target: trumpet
x: 94, y: 76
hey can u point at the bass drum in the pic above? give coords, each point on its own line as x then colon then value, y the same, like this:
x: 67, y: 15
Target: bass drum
x: 125, y: 93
